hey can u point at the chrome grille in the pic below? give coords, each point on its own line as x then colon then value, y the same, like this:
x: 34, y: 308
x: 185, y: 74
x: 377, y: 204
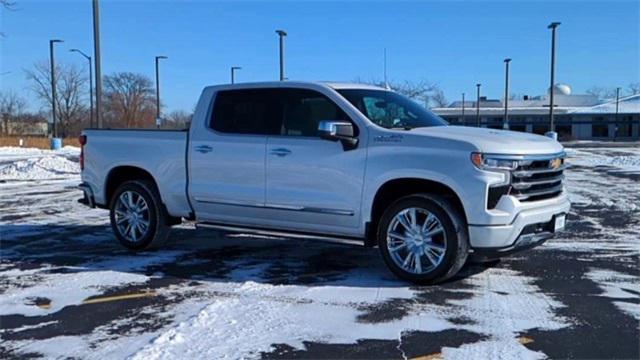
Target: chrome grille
x: 538, y: 179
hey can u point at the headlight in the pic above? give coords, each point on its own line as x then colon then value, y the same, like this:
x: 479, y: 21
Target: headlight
x: 487, y: 162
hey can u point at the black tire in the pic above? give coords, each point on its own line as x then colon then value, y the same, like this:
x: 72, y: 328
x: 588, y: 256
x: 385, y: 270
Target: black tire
x: 157, y: 230
x: 454, y: 227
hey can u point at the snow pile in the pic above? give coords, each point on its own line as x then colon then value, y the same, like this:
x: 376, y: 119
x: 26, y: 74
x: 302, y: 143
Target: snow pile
x: 46, y: 167
x: 22, y: 152
x: 35, y: 164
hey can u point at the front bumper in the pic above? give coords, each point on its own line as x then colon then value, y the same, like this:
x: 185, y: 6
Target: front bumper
x: 530, y: 227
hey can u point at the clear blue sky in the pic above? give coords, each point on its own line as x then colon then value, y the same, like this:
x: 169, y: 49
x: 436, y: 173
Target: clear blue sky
x: 454, y: 44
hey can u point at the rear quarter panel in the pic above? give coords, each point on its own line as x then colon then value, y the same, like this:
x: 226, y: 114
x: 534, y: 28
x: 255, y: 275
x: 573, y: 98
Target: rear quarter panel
x: 161, y: 153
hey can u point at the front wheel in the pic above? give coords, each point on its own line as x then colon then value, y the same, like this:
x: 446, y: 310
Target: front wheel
x: 423, y: 239
x: 137, y: 216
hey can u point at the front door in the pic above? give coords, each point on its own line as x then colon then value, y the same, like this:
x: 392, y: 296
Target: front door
x: 311, y: 180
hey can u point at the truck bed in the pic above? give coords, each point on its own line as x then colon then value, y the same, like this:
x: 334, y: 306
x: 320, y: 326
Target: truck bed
x: 162, y: 153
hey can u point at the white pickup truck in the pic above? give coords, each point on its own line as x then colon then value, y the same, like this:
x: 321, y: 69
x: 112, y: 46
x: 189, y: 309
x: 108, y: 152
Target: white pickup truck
x: 332, y: 161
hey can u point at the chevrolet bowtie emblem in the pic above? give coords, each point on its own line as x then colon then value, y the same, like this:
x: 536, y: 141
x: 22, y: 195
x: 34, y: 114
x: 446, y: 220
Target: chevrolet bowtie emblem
x: 555, y: 163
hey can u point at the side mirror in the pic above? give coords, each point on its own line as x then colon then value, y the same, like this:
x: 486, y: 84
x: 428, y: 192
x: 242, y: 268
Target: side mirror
x: 338, y: 131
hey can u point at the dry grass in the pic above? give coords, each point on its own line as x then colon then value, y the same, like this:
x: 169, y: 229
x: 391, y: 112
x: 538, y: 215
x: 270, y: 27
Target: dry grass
x: 39, y: 142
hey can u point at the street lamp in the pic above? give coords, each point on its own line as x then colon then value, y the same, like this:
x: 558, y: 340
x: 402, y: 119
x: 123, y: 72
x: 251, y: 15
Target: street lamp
x: 463, y: 120
x: 553, y: 27
x: 96, y: 52
x: 90, y: 84
x: 478, y: 106
x: 281, y: 35
x: 505, y: 124
x: 615, y: 127
x: 53, y: 87
x: 158, y: 120
x: 233, y: 73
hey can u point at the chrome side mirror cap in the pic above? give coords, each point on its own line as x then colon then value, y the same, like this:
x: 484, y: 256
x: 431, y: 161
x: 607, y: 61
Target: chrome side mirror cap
x: 338, y: 131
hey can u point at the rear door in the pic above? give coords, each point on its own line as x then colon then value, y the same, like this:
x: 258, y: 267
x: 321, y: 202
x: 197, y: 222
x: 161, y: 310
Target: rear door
x: 310, y: 180
x: 227, y: 169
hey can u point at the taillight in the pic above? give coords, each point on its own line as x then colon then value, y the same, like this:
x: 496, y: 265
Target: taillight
x: 82, y: 139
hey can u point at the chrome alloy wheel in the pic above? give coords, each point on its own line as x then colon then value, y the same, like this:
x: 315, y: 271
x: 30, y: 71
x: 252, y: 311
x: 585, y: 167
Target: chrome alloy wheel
x: 132, y: 216
x: 416, y: 240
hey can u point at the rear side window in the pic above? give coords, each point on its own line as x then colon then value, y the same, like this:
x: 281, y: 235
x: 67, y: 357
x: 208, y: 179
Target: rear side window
x: 247, y: 112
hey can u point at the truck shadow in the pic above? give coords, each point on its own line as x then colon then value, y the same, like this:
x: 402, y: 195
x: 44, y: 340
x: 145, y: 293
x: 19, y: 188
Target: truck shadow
x: 201, y: 255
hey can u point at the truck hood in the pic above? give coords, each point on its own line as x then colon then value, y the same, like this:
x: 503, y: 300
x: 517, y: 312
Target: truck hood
x: 493, y: 141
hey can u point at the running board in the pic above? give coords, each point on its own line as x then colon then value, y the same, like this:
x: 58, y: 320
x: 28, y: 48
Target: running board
x: 281, y: 233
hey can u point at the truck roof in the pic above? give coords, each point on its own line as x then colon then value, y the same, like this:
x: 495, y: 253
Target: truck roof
x: 310, y: 84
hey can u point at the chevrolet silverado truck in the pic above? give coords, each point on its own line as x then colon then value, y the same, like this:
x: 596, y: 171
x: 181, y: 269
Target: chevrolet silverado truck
x: 332, y: 161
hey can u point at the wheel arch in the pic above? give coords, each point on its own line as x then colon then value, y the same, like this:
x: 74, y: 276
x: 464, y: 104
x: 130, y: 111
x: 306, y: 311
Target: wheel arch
x: 121, y: 174
x: 397, y: 188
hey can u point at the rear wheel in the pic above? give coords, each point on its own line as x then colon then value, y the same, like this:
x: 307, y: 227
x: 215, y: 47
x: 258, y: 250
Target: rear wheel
x: 137, y: 216
x: 423, y: 239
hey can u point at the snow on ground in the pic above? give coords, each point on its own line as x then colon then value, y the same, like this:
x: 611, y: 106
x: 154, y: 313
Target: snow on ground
x: 34, y: 164
x: 627, y: 162
x: 268, y: 314
x: 251, y: 305
x: 621, y: 287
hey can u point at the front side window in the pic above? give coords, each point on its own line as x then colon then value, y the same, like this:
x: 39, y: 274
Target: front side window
x: 304, y: 109
x: 391, y: 110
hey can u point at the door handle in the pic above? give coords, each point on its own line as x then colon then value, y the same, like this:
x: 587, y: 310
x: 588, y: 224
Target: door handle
x: 281, y: 152
x: 204, y: 149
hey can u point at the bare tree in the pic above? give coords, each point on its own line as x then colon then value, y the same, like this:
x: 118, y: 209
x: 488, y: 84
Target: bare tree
x: 11, y: 107
x: 423, y: 92
x: 438, y: 99
x: 179, y: 119
x: 71, y: 93
x: 129, y: 100
x: 602, y: 92
x: 634, y: 88
x: 7, y: 4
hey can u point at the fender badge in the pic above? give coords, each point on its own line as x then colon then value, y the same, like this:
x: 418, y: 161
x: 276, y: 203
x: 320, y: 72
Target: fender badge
x: 388, y: 138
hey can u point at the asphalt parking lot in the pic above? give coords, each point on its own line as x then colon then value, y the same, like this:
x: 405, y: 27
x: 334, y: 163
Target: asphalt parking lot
x: 69, y: 290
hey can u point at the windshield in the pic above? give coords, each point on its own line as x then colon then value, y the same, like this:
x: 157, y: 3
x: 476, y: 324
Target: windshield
x: 391, y: 110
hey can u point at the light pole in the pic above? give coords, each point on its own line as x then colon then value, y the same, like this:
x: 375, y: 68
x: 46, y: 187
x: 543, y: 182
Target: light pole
x: 505, y: 124
x: 158, y: 120
x: 54, y: 129
x: 463, y: 120
x: 615, y: 127
x: 281, y: 35
x: 478, y: 106
x: 553, y: 27
x: 233, y: 73
x: 90, y: 84
x: 96, y: 52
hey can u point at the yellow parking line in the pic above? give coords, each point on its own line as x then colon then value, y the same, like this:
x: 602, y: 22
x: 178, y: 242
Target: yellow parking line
x: 118, y: 297
x: 435, y: 356
x: 524, y: 340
